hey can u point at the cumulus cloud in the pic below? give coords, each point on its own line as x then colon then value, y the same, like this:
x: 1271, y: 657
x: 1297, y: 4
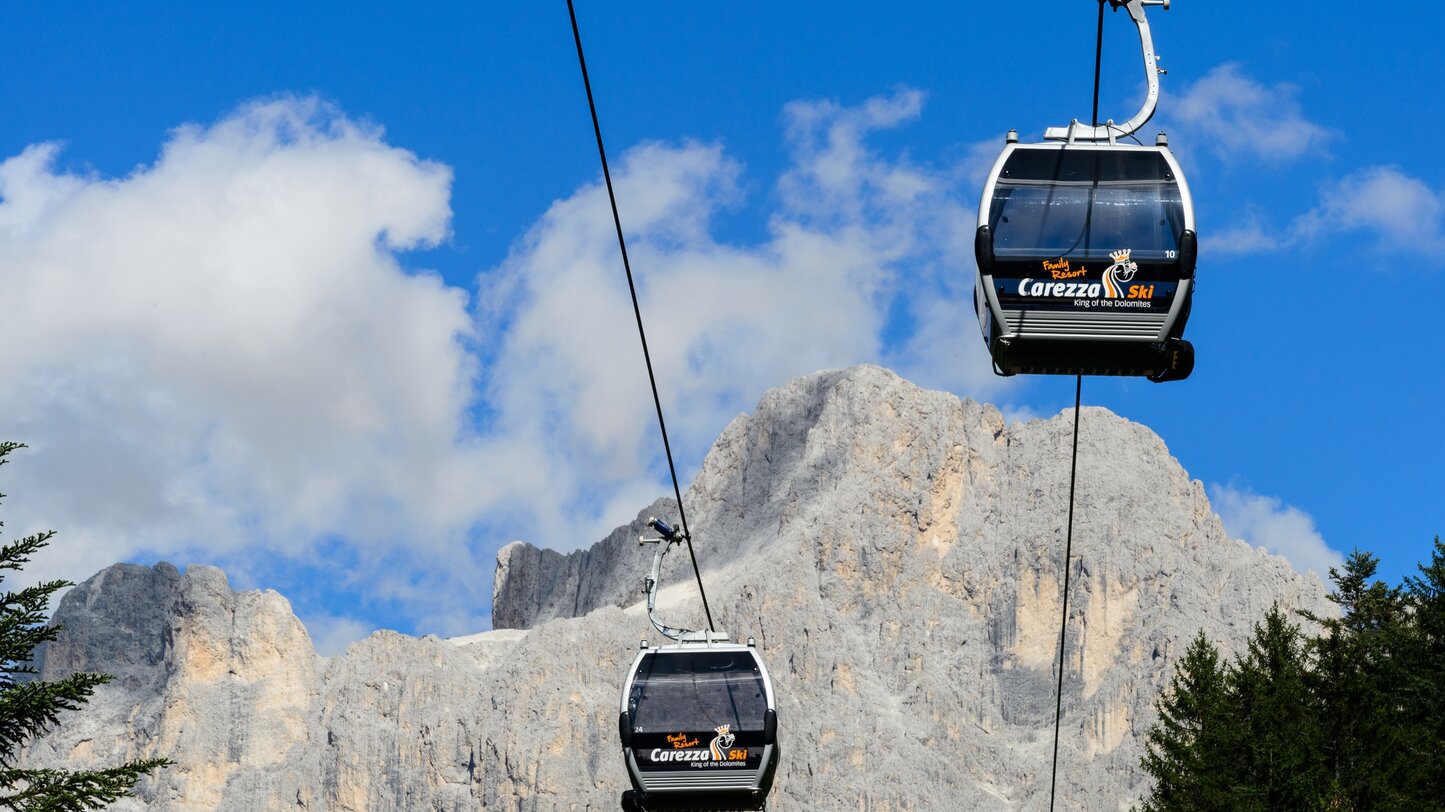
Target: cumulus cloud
x: 221, y: 350
x: 1253, y: 235
x: 332, y: 634
x: 978, y: 160
x: 1238, y: 116
x: 1241, y: 118
x: 1265, y: 521
x: 221, y: 357
x: 1023, y: 414
x: 1402, y: 214
x: 855, y: 240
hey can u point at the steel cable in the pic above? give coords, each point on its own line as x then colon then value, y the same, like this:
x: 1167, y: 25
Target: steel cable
x: 637, y: 310
x: 1073, y: 478
x: 1064, y: 622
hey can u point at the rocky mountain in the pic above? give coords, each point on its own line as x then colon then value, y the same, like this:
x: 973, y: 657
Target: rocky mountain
x: 896, y: 552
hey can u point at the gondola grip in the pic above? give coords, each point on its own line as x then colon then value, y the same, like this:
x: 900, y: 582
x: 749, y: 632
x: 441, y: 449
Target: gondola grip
x: 662, y: 527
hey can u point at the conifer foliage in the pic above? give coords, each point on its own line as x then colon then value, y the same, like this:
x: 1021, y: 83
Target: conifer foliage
x: 30, y: 706
x: 1351, y: 717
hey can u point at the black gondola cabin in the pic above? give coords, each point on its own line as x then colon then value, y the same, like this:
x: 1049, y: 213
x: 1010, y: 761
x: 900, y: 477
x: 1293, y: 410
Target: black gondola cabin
x: 1086, y: 256
x: 699, y: 728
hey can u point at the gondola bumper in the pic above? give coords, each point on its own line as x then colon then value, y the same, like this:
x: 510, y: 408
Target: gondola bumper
x: 694, y: 802
x: 1159, y: 361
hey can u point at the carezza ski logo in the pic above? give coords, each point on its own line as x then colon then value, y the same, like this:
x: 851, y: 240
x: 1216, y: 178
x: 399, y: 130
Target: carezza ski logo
x: 718, y: 751
x: 1114, y: 285
x: 719, y: 745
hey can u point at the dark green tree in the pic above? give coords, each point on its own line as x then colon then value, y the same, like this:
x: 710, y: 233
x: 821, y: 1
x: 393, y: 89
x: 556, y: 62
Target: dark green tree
x: 1239, y: 735
x: 1422, y: 696
x: 1177, y: 748
x: 1350, y: 716
x: 30, y: 706
x: 1274, y: 734
x: 1358, y: 678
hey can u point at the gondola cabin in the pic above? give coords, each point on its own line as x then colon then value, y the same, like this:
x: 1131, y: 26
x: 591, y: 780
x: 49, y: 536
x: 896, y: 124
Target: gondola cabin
x: 1086, y: 256
x: 699, y: 728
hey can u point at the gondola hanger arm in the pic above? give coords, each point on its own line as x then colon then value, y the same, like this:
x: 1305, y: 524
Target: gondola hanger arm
x: 668, y: 536
x: 1109, y: 131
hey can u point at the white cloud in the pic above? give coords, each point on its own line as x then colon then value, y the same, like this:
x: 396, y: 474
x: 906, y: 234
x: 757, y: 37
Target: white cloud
x: 1022, y: 414
x: 1403, y: 213
x: 1251, y: 236
x: 978, y: 160
x: 331, y: 634
x: 1265, y: 521
x: 220, y: 358
x: 855, y: 238
x: 221, y: 351
x: 1238, y: 116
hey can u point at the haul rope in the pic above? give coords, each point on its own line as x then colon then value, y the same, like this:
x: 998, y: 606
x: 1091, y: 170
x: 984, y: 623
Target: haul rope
x: 637, y: 310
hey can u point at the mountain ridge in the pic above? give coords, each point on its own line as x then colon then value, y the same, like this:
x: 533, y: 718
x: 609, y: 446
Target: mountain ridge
x: 895, y: 552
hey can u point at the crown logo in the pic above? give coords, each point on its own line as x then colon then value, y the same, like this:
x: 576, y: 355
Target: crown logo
x: 723, y: 741
x: 1122, y: 255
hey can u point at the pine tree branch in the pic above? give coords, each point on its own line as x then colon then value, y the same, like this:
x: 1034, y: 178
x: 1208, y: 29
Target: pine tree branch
x: 66, y: 791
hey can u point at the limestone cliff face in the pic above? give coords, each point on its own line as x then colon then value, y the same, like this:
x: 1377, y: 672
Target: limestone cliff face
x: 896, y: 552
x: 534, y: 584
x: 222, y: 682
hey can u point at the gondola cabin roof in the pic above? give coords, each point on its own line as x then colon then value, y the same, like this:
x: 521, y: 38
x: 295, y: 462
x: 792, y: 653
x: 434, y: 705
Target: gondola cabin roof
x: 1085, y: 163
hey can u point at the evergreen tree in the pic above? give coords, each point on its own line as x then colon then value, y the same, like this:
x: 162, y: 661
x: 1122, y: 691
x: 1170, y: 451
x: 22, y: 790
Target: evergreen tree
x: 1423, y: 692
x: 29, y: 706
x: 1350, y: 718
x: 1358, y: 678
x: 1273, y: 734
x: 1237, y: 736
x: 1176, y: 751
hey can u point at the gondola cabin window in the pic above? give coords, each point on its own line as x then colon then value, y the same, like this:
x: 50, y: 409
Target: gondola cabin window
x: 702, y: 690
x: 1084, y: 203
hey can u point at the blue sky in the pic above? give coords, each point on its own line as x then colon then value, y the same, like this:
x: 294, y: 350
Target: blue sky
x: 327, y: 296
